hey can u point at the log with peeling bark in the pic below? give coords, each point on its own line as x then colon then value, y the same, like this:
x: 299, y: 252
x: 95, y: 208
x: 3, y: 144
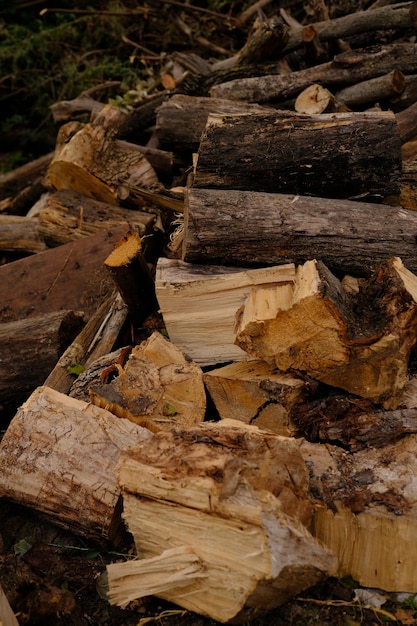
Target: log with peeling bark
x: 366, y: 510
x: 227, y: 504
x: 70, y: 277
x: 20, y: 234
x: 360, y: 342
x: 181, y: 119
x: 256, y: 393
x: 68, y: 215
x: 89, y: 160
x: 329, y: 155
x: 198, y: 304
x: 253, y: 228
x: 65, y: 462
x: 158, y: 388
x: 346, y: 68
x: 132, y: 276
x: 29, y: 349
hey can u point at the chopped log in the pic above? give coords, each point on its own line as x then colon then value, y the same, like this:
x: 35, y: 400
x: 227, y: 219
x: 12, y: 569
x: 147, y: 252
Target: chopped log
x: 358, y: 343
x: 29, y: 350
x: 407, y: 123
x: 256, y: 393
x: 158, y: 388
x: 409, y: 94
x: 20, y: 234
x: 316, y: 99
x: 373, y: 90
x: 181, y: 120
x: 68, y: 215
x: 132, y: 275
x: 96, y: 370
x: 95, y: 165
x: 65, y: 462
x: 70, y: 277
x: 233, y: 496
x: 337, y: 156
x: 64, y: 110
x: 96, y: 339
x: 346, y: 68
x: 198, y: 304
x: 366, y: 510
x: 398, y: 16
x: 254, y: 228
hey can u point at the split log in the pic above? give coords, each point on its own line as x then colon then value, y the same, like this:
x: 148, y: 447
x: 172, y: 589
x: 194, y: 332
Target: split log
x: 65, y: 460
x: 181, y: 120
x: 346, y: 68
x: 158, y: 388
x: 198, y: 304
x: 96, y: 339
x: 254, y: 228
x: 256, y: 393
x: 132, y: 275
x: 359, y: 343
x: 20, y: 234
x: 366, y: 510
x: 89, y: 160
x: 29, y: 350
x: 70, y: 277
x: 233, y: 501
x: 68, y: 215
x: 337, y: 156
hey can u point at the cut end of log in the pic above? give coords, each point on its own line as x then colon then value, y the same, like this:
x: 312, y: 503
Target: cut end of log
x: 125, y: 251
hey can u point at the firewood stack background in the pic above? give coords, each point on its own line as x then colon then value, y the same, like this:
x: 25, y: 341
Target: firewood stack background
x: 211, y: 336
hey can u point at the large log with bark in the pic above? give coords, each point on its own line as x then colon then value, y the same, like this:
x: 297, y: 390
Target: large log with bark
x: 330, y: 155
x: 228, y: 505
x: 255, y: 228
x: 65, y: 460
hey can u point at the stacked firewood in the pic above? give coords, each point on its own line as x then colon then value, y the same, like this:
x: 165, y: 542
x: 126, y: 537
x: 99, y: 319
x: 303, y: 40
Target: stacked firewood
x: 260, y: 253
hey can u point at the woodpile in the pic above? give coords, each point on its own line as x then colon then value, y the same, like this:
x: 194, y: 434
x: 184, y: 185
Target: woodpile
x: 213, y: 336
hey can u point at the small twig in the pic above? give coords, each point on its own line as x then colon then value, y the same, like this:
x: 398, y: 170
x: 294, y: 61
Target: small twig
x: 142, y: 11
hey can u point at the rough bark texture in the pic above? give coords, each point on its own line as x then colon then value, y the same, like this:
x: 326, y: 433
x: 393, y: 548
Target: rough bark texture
x: 254, y: 228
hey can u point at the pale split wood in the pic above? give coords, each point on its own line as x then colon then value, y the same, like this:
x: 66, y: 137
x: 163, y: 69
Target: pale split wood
x: 174, y: 568
x: 198, y: 304
x: 7, y: 617
x: 59, y: 455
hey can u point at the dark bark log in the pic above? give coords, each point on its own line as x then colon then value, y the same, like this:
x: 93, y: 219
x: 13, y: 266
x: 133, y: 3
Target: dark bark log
x: 337, y: 156
x: 29, y: 350
x: 407, y: 123
x: 253, y: 228
x: 346, y: 69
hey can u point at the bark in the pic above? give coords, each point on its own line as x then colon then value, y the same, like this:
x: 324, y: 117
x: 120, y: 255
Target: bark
x: 253, y: 228
x: 65, y: 462
x: 29, y: 350
x: 158, y: 388
x: 70, y: 277
x: 314, y: 326
x: 408, y: 197
x: 373, y: 90
x: 182, y: 119
x: 407, y: 123
x: 346, y: 68
x: 198, y: 304
x: 337, y: 156
x: 68, y: 216
x: 16, y: 180
x: 208, y: 489
x: 20, y: 234
x: 255, y: 393
x: 132, y: 275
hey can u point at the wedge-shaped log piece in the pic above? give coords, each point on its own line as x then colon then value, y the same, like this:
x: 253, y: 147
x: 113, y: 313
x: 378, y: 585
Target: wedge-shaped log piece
x: 199, y: 302
x: 237, y: 497
x: 59, y: 455
x: 258, y: 394
x: 331, y: 155
x: 366, y: 511
x: 158, y: 388
x: 358, y: 342
x: 88, y: 159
